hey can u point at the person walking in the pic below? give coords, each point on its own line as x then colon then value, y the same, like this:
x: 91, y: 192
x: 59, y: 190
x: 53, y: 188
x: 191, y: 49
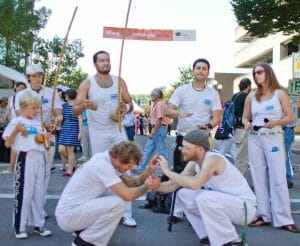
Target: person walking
x: 156, y: 141
x: 85, y: 139
x: 129, y: 120
x: 99, y: 95
x: 70, y: 134
x: 266, y: 110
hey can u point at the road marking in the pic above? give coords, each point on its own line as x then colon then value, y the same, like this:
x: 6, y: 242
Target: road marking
x: 55, y: 197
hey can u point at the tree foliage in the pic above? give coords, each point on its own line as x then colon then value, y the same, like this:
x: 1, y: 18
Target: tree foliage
x: 19, y: 26
x: 264, y: 17
x: 48, y: 53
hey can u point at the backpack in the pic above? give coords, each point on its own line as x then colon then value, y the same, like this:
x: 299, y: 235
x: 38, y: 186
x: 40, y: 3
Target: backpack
x: 225, y: 129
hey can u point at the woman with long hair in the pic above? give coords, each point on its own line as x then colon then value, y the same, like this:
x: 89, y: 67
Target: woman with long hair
x: 266, y: 110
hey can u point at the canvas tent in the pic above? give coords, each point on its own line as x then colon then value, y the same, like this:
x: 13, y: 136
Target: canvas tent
x: 8, y: 75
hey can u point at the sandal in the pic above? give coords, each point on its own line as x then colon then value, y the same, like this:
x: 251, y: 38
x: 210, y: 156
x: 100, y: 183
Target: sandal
x: 259, y: 222
x: 291, y: 228
x: 5, y: 172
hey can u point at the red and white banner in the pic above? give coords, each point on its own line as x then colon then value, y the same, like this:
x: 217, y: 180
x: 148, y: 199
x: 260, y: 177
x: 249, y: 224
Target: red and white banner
x: 149, y: 34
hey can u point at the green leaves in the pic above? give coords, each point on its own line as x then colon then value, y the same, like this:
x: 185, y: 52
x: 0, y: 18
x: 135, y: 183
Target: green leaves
x: 264, y: 17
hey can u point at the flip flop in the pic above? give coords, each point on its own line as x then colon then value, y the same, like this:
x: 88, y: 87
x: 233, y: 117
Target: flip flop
x: 259, y: 222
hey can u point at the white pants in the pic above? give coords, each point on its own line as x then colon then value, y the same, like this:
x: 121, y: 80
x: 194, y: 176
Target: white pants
x: 102, y: 141
x: 212, y: 213
x: 267, y: 162
x: 227, y: 146
x: 29, y: 190
x: 97, y: 218
x: 85, y: 142
x: 241, y: 143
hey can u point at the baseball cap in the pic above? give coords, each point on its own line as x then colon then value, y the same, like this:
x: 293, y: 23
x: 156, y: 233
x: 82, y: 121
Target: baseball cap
x: 34, y: 68
x: 198, y: 137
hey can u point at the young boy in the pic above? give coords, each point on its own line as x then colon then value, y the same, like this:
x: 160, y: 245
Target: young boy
x: 21, y: 134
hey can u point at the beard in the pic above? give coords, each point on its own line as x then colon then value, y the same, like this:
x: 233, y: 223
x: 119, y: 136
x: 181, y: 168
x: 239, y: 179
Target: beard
x: 104, y: 70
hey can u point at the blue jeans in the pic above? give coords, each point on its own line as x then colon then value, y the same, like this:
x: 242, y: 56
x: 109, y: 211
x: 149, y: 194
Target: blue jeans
x: 157, y: 143
x: 289, y: 136
x: 130, y: 130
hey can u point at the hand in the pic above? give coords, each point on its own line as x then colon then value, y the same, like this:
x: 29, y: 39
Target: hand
x: 152, y: 182
x: 184, y: 115
x: 88, y: 104
x: 48, y: 135
x: 122, y: 107
x: 153, y: 163
x: 20, y: 128
x: 163, y: 163
x: 270, y: 124
x: 203, y: 127
x: 248, y: 126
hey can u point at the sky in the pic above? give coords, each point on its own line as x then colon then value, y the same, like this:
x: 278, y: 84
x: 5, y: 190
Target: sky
x: 148, y: 64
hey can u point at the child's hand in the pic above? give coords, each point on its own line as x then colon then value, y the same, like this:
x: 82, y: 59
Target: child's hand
x: 20, y: 128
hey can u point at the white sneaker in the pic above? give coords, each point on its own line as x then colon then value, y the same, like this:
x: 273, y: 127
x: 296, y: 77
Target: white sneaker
x: 128, y: 221
x: 21, y: 235
x: 83, y: 159
x: 42, y: 231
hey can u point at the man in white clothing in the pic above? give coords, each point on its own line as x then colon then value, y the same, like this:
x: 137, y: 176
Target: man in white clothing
x: 99, y: 95
x: 92, y: 203
x: 214, y: 192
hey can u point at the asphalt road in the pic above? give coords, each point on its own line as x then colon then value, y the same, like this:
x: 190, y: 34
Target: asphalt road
x: 152, y: 227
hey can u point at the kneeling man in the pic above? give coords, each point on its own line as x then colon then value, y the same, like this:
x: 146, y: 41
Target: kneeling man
x: 214, y: 191
x: 92, y: 203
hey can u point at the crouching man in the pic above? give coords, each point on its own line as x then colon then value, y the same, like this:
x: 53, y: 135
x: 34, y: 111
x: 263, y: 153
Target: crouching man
x: 93, y: 201
x: 214, y: 209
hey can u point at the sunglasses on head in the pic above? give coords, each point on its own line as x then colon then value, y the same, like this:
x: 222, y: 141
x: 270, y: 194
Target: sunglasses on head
x: 258, y: 72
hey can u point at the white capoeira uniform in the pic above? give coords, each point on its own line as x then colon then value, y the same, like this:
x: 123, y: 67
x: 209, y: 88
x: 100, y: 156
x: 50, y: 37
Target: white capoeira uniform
x: 267, y: 162
x: 201, y: 104
x: 30, y: 171
x: 104, y: 132
x: 46, y: 96
x: 88, y: 205
x: 213, y: 211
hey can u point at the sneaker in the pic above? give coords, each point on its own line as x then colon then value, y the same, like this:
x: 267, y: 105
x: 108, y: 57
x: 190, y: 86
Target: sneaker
x: 83, y: 159
x: 128, y: 221
x: 42, y: 231
x: 67, y: 174
x: 53, y: 169
x: 21, y: 235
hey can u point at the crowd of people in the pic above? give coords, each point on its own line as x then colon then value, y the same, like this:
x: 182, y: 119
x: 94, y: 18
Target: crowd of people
x: 212, y: 192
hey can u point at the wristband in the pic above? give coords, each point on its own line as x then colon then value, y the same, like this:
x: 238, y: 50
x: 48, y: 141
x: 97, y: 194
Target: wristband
x: 209, y: 126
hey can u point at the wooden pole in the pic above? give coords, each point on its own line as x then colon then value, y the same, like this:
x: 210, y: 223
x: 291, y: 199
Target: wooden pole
x: 59, y: 63
x: 120, y: 66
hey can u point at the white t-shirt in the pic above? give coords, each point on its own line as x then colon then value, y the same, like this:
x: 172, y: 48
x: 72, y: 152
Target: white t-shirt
x: 46, y: 96
x: 89, y: 182
x: 24, y: 143
x: 200, y: 103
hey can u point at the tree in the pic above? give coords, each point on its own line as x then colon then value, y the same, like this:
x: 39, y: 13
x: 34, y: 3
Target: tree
x: 48, y: 52
x: 264, y: 17
x: 19, y: 26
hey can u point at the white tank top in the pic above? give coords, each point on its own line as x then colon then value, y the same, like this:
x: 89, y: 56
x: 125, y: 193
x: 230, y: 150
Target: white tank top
x: 270, y: 109
x: 106, y: 100
x: 231, y: 181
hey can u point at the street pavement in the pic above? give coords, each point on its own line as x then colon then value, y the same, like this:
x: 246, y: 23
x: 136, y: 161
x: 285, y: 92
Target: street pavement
x: 152, y: 227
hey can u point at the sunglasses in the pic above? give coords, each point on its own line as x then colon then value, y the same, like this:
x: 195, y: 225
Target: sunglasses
x: 258, y: 72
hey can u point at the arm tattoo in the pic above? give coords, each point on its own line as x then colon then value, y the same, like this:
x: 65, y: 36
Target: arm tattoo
x: 141, y: 190
x: 129, y: 181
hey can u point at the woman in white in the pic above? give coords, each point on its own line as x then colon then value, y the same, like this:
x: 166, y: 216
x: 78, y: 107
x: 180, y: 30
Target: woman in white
x: 266, y: 110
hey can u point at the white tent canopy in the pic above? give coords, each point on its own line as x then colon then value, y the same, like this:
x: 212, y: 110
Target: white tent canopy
x: 11, y: 74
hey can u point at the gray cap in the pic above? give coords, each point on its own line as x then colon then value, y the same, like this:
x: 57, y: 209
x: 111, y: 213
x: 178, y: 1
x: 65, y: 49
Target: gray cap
x: 34, y: 68
x: 198, y: 137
